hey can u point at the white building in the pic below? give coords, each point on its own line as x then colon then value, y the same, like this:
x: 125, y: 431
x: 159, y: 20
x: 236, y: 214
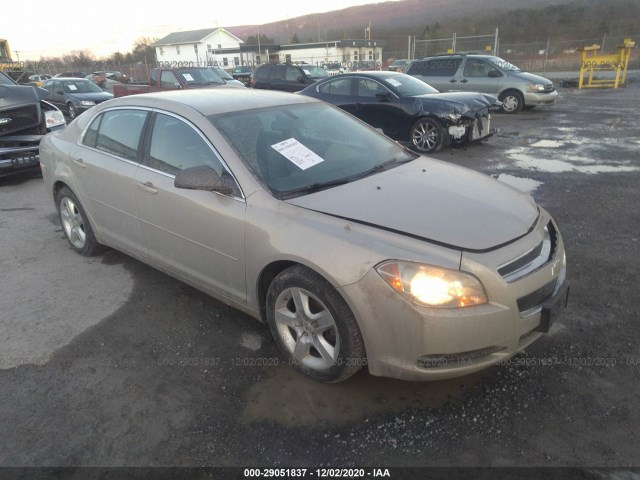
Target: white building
x: 199, y: 47
x: 217, y: 46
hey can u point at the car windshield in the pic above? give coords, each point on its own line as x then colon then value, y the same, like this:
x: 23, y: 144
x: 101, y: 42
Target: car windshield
x: 80, y: 86
x: 297, y: 149
x: 408, y: 86
x: 503, y: 64
x: 242, y: 70
x: 5, y: 80
x: 224, y: 75
x: 315, y: 72
x: 199, y: 76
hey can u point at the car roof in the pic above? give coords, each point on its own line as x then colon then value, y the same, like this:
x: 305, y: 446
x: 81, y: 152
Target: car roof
x: 212, y: 101
x: 457, y: 55
x: 378, y: 74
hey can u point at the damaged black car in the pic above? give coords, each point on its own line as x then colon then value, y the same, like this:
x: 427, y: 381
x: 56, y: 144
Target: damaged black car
x: 24, y: 119
x: 408, y: 110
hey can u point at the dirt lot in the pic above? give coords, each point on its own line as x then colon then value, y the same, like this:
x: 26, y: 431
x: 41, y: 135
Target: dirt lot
x: 105, y: 361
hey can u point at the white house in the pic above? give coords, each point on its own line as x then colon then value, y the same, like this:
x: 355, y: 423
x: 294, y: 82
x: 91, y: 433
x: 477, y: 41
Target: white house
x: 199, y: 47
x: 217, y: 46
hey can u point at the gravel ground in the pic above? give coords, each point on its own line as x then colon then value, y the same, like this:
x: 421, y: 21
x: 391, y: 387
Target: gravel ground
x: 107, y: 362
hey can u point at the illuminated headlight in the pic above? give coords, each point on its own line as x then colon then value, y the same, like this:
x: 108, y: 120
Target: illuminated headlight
x: 433, y: 286
x: 87, y: 103
x: 536, y: 87
x: 53, y: 118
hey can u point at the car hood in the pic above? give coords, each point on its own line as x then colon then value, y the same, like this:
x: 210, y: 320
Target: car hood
x: 433, y: 201
x: 530, y: 77
x: 458, y: 102
x: 95, y: 96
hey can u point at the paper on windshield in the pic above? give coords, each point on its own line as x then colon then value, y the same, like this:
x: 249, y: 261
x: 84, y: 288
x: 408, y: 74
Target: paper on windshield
x: 187, y: 77
x: 393, y: 82
x: 297, y: 153
x: 72, y: 87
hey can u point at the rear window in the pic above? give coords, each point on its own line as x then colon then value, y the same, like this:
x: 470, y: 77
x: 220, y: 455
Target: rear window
x: 438, y: 67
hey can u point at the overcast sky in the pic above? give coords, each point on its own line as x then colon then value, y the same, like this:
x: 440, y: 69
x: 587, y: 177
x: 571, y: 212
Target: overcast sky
x: 36, y: 29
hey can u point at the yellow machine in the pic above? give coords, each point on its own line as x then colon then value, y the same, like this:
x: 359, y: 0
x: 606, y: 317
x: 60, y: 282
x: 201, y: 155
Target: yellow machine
x: 7, y: 65
x: 593, y: 61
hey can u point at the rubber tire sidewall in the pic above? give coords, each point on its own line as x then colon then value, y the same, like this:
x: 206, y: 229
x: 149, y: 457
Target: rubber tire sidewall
x: 352, y: 354
x: 91, y: 246
x: 438, y: 144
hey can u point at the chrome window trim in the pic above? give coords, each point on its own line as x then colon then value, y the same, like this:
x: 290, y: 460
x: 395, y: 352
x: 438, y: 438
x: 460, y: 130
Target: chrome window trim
x: 206, y: 140
x: 358, y: 77
x: 146, y: 167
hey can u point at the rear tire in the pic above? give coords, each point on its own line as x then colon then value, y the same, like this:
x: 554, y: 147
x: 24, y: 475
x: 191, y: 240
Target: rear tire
x: 75, y: 224
x: 313, y: 326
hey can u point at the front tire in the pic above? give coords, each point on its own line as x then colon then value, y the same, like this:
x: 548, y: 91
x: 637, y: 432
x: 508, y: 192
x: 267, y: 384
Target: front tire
x: 426, y: 135
x: 73, y: 111
x: 313, y: 326
x: 512, y: 101
x: 75, y: 224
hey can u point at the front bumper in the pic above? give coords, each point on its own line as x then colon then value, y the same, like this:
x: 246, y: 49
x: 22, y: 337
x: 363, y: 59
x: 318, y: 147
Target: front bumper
x: 534, y: 99
x: 412, y: 342
x: 17, y: 159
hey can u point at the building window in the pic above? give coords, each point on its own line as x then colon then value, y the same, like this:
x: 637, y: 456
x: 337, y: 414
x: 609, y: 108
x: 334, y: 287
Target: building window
x: 161, y: 51
x: 236, y: 61
x: 209, y: 48
x: 355, y: 55
x: 195, y: 48
x: 258, y: 59
x: 225, y: 62
x: 287, y: 58
x: 177, y: 49
x: 370, y: 54
x: 219, y: 46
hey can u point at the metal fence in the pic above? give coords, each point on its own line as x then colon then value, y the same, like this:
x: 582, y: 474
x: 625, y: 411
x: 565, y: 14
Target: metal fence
x: 541, y: 56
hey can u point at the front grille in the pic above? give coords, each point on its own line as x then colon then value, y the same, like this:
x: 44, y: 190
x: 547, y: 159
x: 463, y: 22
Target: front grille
x: 535, y: 258
x: 549, y: 88
x: 18, y: 119
x: 537, y: 298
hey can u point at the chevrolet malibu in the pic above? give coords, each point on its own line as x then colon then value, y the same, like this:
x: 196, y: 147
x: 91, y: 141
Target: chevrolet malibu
x: 354, y: 250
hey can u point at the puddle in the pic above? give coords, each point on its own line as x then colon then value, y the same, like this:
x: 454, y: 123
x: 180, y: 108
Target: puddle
x: 526, y: 185
x: 565, y: 163
x: 548, y: 144
x: 290, y: 399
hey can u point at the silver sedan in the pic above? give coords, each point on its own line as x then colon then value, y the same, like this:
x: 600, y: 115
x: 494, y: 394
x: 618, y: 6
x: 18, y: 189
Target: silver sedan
x: 355, y: 251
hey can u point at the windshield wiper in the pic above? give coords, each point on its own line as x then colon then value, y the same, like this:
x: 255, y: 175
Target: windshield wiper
x: 383, y: 166
x: 313, y: 187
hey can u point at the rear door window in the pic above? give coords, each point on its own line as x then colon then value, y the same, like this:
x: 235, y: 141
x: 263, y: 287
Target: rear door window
x: 117, y: 132
x: 437, y: 67
x: 340, y: 86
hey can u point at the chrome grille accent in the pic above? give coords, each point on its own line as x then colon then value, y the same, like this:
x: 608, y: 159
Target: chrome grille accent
x: 535, y: 258
x: 21, y: 118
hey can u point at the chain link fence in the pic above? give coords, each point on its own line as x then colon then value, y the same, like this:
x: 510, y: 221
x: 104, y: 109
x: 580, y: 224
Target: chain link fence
x: 546, y: 55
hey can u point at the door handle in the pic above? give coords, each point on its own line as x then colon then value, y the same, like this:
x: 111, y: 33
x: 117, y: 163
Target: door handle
x: 80, y: 162
x: 147, y: 187
x: 464, y: 81
x: 453, y: 80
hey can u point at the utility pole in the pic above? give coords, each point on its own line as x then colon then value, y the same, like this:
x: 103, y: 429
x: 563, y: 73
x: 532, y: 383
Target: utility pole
x: 258, y: 27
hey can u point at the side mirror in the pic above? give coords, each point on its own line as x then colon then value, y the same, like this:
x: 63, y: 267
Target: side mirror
x: 202, y: 178
x: 383, y: 96
x: 494, y: 74
x: 301, y: 78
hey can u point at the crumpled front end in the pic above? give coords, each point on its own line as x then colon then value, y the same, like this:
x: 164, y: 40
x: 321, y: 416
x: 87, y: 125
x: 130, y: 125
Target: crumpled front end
x: 465, y: 117
x: 22, y: 126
